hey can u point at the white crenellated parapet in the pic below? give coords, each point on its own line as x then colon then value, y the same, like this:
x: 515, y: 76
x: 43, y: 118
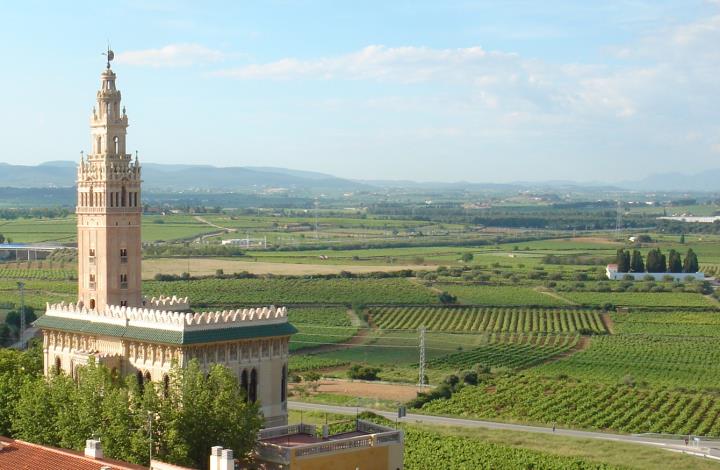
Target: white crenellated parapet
x: 167, y: 303
x: 169, y: 320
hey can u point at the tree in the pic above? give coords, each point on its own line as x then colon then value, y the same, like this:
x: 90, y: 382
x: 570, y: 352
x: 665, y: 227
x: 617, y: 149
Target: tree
x: 682, y: 238
x: 13, y: 317
x: 636, y: 263
x: 467, y: 257
x: 655, y: 261
x: 447, y: 298
x: 674, y: 262
x: 214, y: 412
x: 690, y: 265
x: 623, y: 261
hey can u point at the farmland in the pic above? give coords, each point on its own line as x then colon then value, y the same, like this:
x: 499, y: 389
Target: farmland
x: 490, y: 319
x: 587, y: 405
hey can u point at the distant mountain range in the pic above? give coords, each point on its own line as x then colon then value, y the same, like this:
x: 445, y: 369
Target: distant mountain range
x: 161, y: 177
x: 165, y: 177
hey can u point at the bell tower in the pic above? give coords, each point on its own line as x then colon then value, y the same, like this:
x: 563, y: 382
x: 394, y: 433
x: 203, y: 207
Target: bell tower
x: 108, y: 207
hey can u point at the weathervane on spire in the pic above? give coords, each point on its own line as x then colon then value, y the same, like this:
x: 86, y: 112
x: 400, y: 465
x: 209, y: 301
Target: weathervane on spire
x: 109, y: 54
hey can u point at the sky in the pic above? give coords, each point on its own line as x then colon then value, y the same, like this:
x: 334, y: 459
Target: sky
x: 481, y: 91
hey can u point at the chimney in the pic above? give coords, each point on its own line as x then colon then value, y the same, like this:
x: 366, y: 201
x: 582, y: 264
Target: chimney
x: 215, y: 457
x: 93, y: 449
x: 221, y: 459
x: 227, y: 462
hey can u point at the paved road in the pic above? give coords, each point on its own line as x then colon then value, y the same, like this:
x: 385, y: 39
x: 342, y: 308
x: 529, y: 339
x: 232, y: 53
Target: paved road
x: 675, y: 445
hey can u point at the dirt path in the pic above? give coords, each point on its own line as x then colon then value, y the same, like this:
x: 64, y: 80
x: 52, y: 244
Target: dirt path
x: 583, y: 343
x: 609, y: 323
x: 543, y: 290
x: 207, y: 222
x: 358, y: 338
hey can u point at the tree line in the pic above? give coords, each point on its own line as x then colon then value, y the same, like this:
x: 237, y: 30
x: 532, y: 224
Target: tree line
x: 180, y: 418
x: 656, y: 262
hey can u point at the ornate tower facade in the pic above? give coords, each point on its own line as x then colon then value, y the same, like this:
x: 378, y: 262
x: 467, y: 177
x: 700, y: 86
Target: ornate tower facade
x: 109, y: 208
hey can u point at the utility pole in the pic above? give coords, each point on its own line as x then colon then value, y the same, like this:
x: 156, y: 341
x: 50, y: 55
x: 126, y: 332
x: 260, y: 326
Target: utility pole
x: 618, y: 220
x: 21, y: 286
x: 421, y: 382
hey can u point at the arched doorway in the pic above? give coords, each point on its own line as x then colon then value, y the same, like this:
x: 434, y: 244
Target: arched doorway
x: 252, y: 395
x: 148, y: 377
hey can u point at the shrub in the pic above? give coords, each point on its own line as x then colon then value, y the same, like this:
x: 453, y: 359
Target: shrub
x: 358, y: 372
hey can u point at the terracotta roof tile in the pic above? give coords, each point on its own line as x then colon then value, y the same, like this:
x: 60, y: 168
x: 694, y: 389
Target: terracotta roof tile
x: 20, y: 455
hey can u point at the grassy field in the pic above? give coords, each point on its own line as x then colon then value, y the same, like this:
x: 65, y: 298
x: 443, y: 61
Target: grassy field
x: 639, y: 299
x: 499, y: 295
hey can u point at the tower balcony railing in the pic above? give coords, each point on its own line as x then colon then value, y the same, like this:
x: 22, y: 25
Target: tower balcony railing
x: 123, y: 259
x: 91, y: 259
x: 123, y: 285
x: 91, y: 285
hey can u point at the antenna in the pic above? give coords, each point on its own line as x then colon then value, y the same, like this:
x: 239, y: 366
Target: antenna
x: 618, y: 220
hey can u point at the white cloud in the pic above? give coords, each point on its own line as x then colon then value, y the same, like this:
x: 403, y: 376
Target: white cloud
x: 380, y: 63
x: 172, y: 55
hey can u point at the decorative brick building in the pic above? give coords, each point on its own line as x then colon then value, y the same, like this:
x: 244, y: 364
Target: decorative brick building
x: 114, y: 323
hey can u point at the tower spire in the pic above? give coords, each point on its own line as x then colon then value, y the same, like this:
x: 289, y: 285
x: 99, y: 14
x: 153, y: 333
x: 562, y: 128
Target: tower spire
x: 110, y: 55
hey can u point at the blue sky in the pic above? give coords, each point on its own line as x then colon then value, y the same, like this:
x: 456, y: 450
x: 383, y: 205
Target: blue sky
x: 454, y: 90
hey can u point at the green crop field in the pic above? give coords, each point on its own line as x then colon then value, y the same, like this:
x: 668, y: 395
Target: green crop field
x: 319, y: 326
x: 640, y: 299
x: 499, y: 295
x: 425, y: 450
x: 690, y: 362
x: 587, y: 405
x: 505, y: 351
x: 309, y: 362
x: 229, y: 292
x: 492, y: 319
x: 668, y: 323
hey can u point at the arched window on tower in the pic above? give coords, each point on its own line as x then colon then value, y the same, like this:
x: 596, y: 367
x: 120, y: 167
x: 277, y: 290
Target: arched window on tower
x: 116, y: 141
x: 99, y: 145
x: 123, y: 197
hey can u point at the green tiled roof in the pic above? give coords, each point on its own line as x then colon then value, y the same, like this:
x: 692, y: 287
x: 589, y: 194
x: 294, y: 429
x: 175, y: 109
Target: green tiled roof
x: 165, y: 336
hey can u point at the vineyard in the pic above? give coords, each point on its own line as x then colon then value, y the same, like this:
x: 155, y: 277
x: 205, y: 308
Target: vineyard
x: 37, y: 273
x: 499, y: 295
x: 309, y: 362
x: 586, y: 405
x: 668, y: 323
x: 232, y: 292
x: 512, y: 352
x: 495, y: 319
x: 424, y: 450
x: 639, y: 299
x: 318, y: 326
x: 691, y: 362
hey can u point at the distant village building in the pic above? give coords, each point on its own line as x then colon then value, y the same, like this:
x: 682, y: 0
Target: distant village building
x: 131, y: 334
x: 611, y: 271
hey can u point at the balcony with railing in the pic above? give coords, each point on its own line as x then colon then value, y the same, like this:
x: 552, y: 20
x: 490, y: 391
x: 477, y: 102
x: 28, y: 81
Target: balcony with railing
x: 281, y: 444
